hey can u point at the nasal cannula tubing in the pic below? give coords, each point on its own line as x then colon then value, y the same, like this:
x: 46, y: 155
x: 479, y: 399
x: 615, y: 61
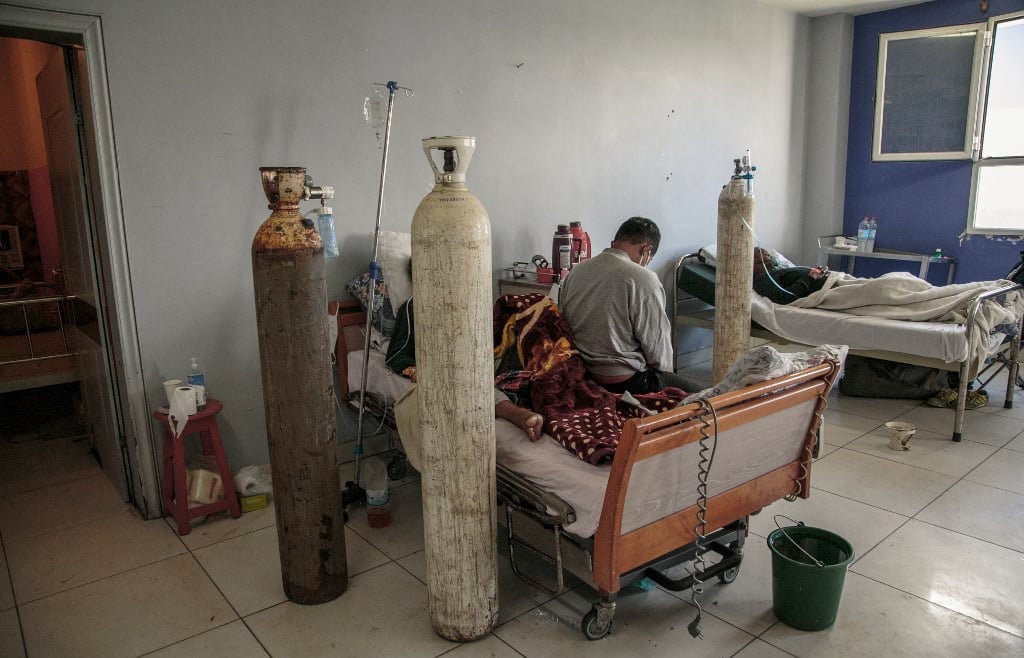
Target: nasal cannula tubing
x: 767, y: 271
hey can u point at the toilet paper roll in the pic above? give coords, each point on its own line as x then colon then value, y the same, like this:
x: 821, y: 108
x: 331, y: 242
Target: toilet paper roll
x: 183, y: 405
x: 187, y: 396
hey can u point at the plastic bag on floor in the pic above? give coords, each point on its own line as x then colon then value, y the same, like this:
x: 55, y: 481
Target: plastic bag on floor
x: 253, y: 480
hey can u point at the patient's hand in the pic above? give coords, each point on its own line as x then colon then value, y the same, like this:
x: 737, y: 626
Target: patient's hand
x: 530, y: 422
x: 410, y: 372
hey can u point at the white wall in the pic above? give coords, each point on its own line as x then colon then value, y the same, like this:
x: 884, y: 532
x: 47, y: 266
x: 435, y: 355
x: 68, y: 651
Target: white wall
x: 828, y: 123
x: 583, y: 109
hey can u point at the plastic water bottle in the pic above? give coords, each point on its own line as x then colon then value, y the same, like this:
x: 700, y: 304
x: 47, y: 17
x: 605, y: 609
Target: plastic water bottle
x: 873, y: 228
x: 325, y: 227
x: 195, y: 375
x: 375, y: 482
x: 864, y: 234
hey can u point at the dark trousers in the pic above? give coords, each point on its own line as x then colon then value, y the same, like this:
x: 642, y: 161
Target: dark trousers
x: 650, y: 381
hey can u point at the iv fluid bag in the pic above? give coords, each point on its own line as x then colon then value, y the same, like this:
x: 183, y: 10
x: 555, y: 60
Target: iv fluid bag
x: 375, y: 110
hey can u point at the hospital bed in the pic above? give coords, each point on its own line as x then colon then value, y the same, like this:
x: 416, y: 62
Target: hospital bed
x: 36, y: 342
x: 615, y: 523
x: 940, y: 345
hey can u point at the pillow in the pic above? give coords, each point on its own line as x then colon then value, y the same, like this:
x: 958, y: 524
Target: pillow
x: 382, y: 313
x: 765, y: 362
x: 708, y: 256
x: 395, y: 251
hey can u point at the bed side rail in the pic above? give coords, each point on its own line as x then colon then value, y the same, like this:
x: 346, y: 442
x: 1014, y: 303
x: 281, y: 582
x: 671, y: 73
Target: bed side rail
x: 349, y: 314
x: 766, y: 434
x: 675, y: 305
x: 16, y: 311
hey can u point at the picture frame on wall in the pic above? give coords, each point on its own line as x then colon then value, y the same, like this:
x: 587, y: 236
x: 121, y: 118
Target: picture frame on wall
x: 10, y: 248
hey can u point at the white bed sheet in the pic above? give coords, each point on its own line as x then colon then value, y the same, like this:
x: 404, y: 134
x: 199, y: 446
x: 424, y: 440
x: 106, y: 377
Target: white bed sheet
x: 942, y: 340
x: 545, y: 463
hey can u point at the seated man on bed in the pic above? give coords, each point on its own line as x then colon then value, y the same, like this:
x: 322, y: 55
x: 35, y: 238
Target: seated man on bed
x: 401, y: 359
x: 784, y: 285
x: 616, y: 309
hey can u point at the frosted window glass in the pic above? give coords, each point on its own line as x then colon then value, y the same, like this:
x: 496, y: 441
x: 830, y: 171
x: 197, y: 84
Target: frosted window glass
x: 1004, y: 111
x: 997, y: 199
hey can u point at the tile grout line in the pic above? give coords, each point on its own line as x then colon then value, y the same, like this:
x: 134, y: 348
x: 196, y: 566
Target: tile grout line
x: 17, y: 608
x: 231, y: 605
x: 955, y: 612
x: 93, y: 582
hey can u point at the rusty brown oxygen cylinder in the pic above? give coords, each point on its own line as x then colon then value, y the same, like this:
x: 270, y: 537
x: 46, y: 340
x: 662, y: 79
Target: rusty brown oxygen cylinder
x: 451, y: 261
x: 289, y: 278
x: 735, y: 269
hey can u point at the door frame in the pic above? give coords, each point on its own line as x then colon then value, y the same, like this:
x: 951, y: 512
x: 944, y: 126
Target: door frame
x: 111, y: 252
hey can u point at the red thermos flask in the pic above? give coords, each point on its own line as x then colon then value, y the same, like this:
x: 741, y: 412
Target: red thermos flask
x: 580, y: 243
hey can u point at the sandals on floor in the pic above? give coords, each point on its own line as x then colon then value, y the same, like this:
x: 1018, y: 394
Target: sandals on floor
x: 947, y: 398
x: 944, y: 398
x: 975, y: 400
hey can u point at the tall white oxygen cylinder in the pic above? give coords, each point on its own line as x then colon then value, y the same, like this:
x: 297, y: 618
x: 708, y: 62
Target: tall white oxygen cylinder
x: 451, y: 273
x: 735, y: 274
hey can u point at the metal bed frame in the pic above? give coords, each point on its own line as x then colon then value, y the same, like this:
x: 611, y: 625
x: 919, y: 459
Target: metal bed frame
x: 1007, y: 356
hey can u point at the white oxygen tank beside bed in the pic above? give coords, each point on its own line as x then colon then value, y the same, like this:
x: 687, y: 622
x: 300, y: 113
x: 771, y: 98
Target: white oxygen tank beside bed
x: 735, y: 269
x: 451, y: 258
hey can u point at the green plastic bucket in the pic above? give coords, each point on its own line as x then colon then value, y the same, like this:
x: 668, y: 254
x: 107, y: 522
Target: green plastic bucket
x: 808, y: 569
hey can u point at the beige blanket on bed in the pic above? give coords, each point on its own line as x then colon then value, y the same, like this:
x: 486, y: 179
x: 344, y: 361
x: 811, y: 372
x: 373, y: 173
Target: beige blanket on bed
x: 903, y: 296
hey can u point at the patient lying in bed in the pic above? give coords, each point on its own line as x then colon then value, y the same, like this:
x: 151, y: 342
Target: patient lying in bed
x: 401, y: 360
x: 784, y: 285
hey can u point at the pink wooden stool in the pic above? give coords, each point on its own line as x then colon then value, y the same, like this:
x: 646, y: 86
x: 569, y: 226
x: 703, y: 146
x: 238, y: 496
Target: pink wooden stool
x: 173, y: 490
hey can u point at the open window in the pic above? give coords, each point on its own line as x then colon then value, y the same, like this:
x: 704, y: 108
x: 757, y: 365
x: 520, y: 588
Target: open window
x: 998, y: 176
x: 927, y: 91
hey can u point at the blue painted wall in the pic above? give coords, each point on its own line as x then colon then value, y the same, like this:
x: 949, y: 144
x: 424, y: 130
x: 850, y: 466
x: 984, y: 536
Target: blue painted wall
x: 919, y: 205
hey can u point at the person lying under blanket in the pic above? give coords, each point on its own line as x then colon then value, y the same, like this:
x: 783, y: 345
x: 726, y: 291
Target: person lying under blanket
x: 784, y: 285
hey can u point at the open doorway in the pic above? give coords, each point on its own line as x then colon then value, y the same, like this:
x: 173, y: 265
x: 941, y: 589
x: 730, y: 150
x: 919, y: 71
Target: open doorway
x: 81, y: 256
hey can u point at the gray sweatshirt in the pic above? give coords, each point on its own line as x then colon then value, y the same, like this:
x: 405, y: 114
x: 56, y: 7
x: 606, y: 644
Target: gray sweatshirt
x: 616, y: 310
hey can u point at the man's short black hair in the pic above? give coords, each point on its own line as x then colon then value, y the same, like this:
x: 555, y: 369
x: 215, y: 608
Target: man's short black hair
x: 638, y: 230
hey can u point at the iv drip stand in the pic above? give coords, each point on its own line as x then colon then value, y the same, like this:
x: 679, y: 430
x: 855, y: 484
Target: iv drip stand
x: 353, y: 490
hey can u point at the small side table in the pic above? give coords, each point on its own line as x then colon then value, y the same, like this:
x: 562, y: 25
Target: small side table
x: 826, y: 249
x: 520, y: 283
x: 174, y: 493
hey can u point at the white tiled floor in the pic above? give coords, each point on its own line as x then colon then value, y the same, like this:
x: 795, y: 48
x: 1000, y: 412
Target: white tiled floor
x: 938, y: 532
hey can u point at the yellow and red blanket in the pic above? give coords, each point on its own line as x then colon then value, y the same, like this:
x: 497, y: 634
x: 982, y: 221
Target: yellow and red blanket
x: 578, y: 413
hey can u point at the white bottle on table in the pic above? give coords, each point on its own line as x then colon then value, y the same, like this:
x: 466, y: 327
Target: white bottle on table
x: 863, y: 233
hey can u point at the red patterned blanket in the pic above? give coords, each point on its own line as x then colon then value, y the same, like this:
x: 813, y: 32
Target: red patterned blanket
x: 578, y: 413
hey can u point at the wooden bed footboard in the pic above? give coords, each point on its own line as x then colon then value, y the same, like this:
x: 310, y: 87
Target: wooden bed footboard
x: 765, y: 434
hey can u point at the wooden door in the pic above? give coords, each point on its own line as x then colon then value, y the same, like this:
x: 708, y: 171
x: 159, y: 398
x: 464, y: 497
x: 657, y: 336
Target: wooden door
x: 62, y: 129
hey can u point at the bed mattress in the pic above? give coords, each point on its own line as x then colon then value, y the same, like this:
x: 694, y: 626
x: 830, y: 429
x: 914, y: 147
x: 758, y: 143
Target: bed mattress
x: 940, y: 340
x: 544, y: 462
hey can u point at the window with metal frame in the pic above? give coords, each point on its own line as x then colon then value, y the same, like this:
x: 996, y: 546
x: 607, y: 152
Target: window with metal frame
x: 998, y: 173
x: 926, y: 93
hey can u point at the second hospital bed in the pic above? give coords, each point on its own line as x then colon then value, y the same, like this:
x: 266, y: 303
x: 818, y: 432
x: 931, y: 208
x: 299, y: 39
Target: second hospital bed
x: 942, y: 345
x: 617, y: 522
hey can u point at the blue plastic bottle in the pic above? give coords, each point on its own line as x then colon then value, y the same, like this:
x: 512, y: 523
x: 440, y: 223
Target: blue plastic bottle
x: 195, y: 375
x: 325, y: 226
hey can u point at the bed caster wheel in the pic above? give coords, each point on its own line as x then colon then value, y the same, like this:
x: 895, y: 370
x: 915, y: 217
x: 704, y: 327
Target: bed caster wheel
x: 729, y: 575
x: 594, y: 628
x: 397, y: 468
